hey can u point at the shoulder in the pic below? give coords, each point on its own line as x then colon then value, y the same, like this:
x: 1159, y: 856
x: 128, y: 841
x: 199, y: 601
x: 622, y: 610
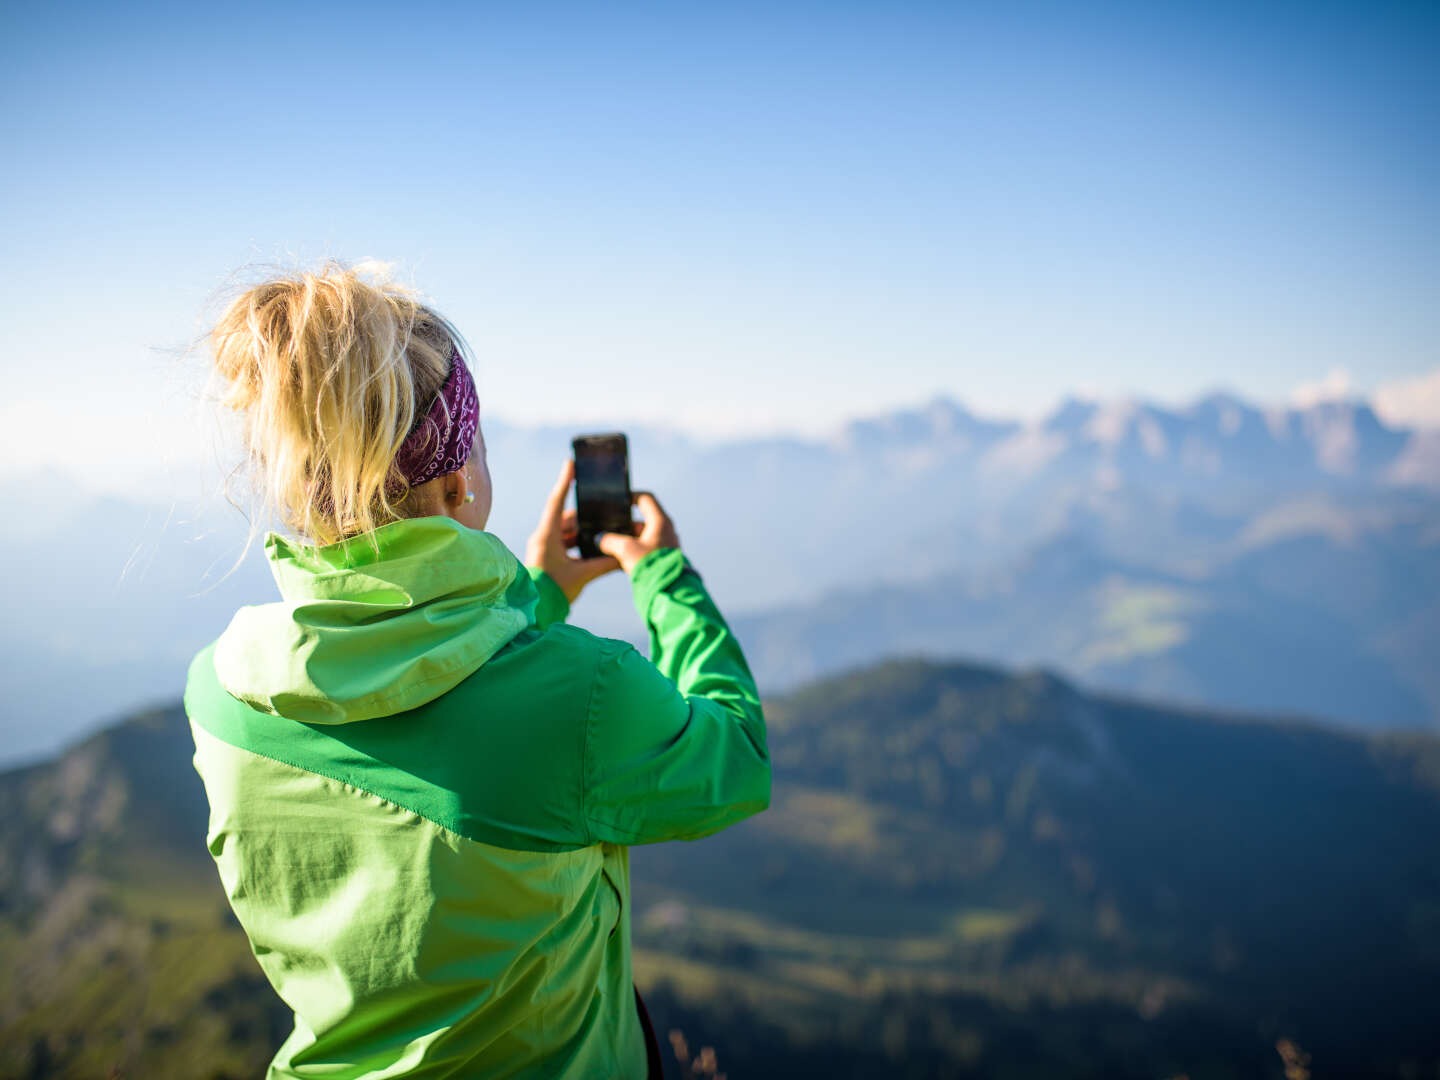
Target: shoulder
x: 555, y: 671
x: 612, y: 673
x: 564, y: 642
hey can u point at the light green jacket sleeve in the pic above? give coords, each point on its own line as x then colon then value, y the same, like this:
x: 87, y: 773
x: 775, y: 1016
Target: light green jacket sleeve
x: 676, y: 747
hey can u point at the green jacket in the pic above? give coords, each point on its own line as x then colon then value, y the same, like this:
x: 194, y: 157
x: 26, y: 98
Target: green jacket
x: 423, y: 786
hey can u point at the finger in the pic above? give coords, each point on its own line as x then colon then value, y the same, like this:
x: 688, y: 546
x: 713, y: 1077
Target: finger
x: 555, y: 504
x: 648, y: 503
x: 569, y: 521
x: 655, y: 516
x: 616, y: 544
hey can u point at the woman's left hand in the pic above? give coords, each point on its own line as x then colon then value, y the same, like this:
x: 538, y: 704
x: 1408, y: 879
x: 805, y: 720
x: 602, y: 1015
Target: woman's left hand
x: 556, y: 533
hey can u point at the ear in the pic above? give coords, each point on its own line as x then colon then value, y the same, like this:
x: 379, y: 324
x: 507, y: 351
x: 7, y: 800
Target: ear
x: 457, y: 489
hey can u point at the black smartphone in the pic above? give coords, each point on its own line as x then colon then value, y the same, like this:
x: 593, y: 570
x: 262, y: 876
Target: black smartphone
x: 602, y: 488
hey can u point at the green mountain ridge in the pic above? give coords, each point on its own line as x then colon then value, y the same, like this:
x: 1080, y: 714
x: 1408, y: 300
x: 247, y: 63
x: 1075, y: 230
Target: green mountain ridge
x: 964, y: 872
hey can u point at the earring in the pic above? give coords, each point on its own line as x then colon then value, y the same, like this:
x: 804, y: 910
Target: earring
x: 469, y: 496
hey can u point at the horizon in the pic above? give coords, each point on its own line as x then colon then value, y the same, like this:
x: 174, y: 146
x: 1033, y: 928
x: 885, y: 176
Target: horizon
x: 1408, y: 405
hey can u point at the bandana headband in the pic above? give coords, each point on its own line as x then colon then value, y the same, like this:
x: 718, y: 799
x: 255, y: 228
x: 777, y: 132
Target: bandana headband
x: 441, y: 441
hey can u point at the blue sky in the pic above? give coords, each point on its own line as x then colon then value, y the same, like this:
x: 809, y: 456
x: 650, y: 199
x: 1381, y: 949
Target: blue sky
x: 730, y: 217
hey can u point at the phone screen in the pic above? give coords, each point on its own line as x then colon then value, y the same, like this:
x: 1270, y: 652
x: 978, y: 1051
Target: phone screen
x: 602, y: 487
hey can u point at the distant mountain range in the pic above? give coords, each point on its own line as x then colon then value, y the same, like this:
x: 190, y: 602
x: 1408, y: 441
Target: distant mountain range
x: 1318, y: 605
x: 964, y: 871
x: 1284, y: 559
x: 781, y: 520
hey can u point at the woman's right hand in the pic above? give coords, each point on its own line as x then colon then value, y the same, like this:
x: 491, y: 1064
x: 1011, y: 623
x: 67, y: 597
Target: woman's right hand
x: 549, y: 544
x: 658, y: 532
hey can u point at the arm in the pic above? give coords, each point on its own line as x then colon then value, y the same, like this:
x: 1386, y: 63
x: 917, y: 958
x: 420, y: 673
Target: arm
x: 690, y: 643
x: 553, y: 605
x: 676, y: 748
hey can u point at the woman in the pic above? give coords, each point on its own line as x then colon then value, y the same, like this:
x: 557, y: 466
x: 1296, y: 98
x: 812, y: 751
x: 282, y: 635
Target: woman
x: 423, y: 784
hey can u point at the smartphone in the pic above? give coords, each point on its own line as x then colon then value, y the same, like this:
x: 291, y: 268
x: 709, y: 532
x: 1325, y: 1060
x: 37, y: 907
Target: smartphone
x: 602, y: 488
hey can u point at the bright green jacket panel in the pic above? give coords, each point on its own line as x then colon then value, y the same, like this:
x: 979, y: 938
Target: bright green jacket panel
x: 408, y: 951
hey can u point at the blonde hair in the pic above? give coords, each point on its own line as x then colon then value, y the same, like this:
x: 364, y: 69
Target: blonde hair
x: 329, y: 373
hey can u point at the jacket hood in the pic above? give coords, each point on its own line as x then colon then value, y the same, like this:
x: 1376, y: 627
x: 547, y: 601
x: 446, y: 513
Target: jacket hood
x: 359, y: 635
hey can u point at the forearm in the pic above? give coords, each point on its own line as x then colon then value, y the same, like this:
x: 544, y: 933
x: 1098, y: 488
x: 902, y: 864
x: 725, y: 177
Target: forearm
x: 690, y: 642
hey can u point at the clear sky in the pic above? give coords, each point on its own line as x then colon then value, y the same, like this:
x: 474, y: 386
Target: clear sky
x: 729, y: 217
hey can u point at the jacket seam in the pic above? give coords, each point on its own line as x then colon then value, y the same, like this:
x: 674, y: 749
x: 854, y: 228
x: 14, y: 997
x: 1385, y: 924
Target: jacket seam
x: 335, y: 780
x: 585, y: 750
x: 449, y: 829
x: 633, y: 837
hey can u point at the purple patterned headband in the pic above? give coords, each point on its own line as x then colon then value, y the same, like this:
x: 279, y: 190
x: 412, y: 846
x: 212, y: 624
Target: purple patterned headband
x: 441, y: 440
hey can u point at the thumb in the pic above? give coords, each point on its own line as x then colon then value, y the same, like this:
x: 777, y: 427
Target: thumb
x: 615, y: 544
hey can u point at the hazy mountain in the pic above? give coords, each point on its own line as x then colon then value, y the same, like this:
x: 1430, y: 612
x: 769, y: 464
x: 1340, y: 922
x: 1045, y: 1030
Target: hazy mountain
x: 1219, y: 440
x: 1181, y: 504
x: 1286, y: 560
x: 1315, y: 606
x: 962, y: 869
